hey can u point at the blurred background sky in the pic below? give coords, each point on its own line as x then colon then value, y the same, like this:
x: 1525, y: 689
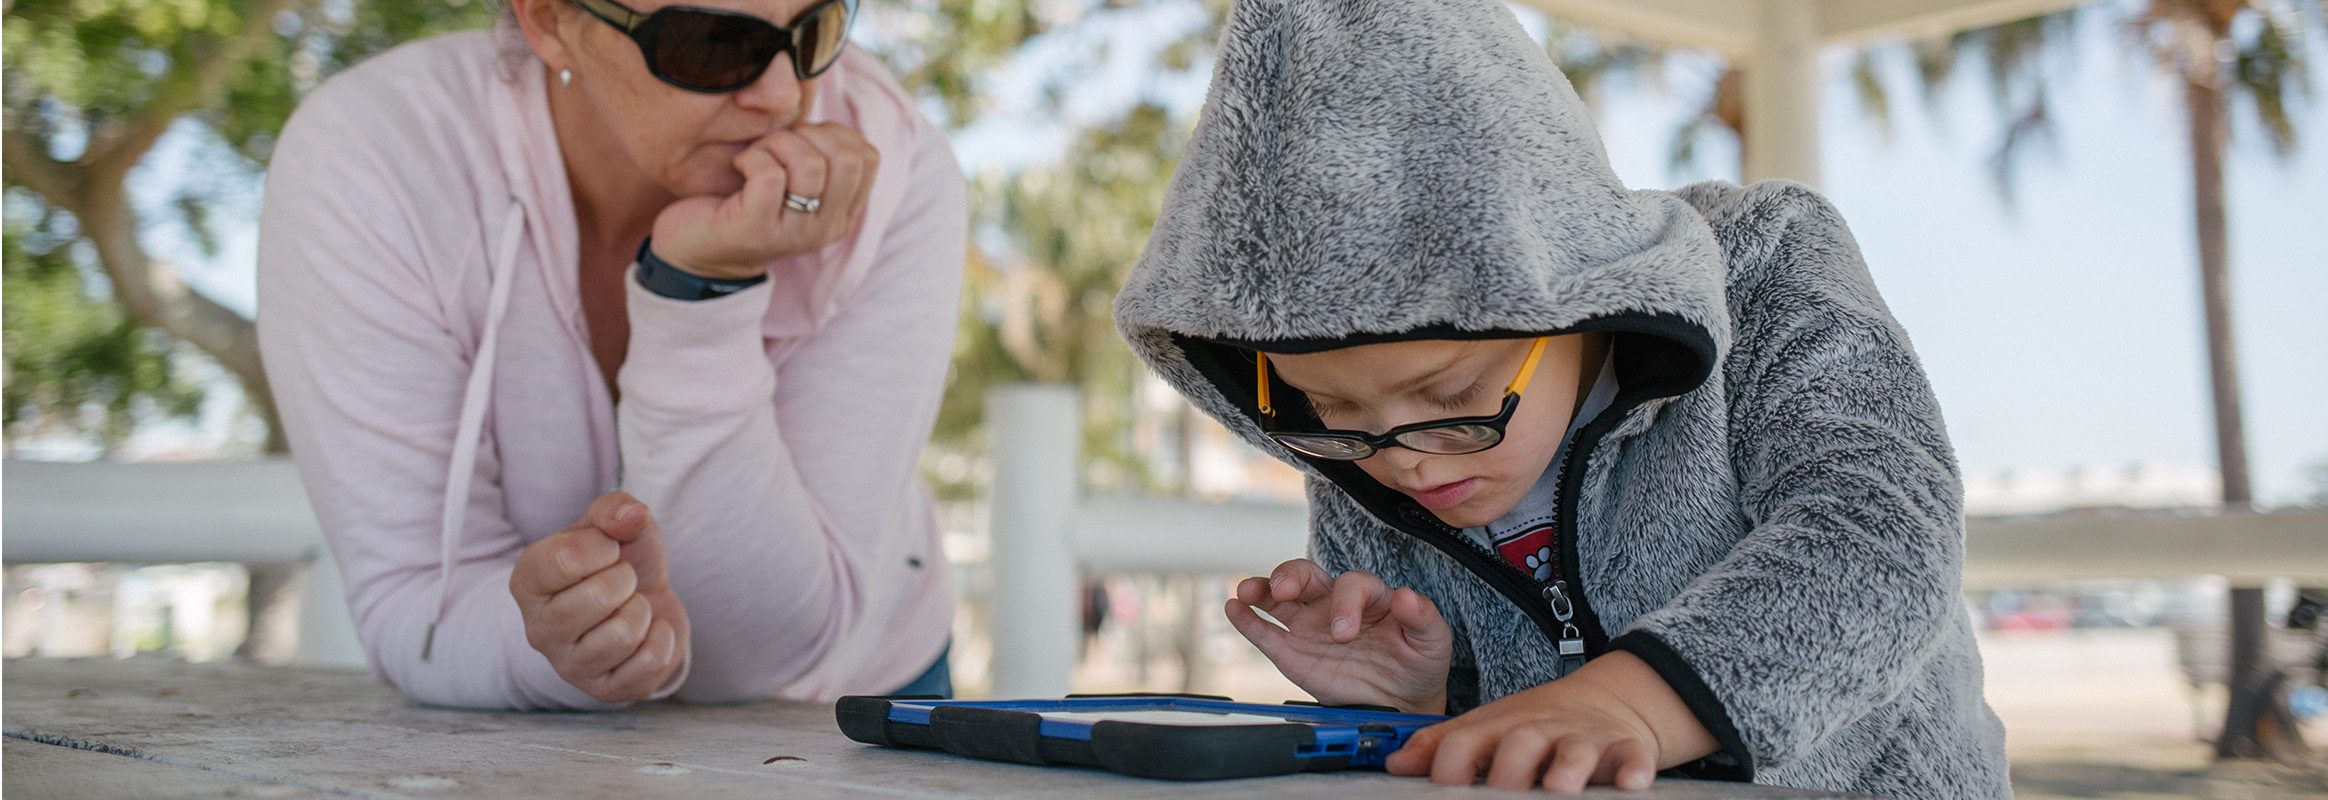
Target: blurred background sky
x: 2061, y: 329
x: 2059, y: 318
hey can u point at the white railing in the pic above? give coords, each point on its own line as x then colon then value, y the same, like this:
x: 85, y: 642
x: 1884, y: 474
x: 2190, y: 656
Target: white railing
x: 252, y: 512
x: 1045, y: 538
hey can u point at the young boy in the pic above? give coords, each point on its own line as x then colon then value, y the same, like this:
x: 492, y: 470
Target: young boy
x: 1632, y: 480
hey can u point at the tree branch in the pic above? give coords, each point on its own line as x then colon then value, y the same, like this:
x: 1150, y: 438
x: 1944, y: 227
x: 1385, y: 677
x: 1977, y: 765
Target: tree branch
x: 156, y: 295
x: 29, y: 164
x: 193, y: 83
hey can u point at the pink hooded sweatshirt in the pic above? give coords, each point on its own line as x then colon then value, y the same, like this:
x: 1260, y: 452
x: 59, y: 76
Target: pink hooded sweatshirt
x: 422, y: 327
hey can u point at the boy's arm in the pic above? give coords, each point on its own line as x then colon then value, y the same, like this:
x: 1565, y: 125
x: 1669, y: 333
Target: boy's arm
x: 1680, y: 737
x: 1840, y: 593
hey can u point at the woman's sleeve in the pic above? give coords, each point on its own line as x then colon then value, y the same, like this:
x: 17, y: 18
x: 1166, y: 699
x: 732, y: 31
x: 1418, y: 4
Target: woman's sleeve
x: 775, y: 488
x: 367, y: 371
x: 1844, y: 586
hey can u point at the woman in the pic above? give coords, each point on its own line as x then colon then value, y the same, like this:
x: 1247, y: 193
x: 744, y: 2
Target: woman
x: 708, y: 257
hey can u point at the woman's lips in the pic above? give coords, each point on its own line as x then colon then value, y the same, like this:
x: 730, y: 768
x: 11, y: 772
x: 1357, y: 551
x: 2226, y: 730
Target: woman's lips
x: 1445, y: 495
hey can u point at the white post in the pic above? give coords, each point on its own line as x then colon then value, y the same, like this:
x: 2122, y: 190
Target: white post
x: 1037, y: 433
x: 327, y: 633
x: 1782, y: 94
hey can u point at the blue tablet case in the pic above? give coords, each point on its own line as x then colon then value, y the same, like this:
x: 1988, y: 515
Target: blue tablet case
x: 1309, y: 738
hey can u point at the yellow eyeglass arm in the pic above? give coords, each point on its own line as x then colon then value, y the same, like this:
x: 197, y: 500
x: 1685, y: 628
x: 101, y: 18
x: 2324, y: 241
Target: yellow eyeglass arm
x: 1527, y: 368
x: 1261, y: 380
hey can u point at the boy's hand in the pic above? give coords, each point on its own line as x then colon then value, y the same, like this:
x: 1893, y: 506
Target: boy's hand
x: 1350, y: 640
x: 1612, y: 722
x: 597, y: 601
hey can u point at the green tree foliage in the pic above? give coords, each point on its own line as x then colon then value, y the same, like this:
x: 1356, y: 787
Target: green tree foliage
x: 1053, y: 240
x: 74, y: 362
x: 1039, y: 306
x: 91, y: 87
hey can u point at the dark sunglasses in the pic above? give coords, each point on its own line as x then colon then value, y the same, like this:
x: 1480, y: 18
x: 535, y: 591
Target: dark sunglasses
x: 713, y: 51
x: 1446, y: 437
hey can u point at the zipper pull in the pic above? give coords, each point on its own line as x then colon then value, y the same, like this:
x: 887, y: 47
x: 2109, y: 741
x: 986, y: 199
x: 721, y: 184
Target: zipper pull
x: 1556, y: 593
x: 1571, y: 638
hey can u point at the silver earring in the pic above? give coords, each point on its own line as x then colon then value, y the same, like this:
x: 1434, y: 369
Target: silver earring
x: 565, y: 77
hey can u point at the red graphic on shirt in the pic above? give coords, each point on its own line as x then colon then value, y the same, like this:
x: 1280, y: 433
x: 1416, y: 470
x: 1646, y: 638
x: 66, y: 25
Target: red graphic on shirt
x: 1531, y: 551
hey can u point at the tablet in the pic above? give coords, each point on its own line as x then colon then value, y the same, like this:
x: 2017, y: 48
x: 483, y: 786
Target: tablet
x: 1174, y: 737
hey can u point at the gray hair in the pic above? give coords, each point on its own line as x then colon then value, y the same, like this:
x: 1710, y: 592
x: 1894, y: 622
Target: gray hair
x: 515, y: 53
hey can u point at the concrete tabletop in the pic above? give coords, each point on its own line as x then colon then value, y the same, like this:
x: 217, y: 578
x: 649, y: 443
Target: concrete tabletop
x: 151, y: 728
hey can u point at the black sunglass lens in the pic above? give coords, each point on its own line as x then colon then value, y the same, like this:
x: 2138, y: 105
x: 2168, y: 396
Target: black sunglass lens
x: 818, y: 37
x: 714, y: 52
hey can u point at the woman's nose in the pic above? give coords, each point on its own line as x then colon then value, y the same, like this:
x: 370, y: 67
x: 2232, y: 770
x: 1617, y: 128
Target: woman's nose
x: 778, y: 93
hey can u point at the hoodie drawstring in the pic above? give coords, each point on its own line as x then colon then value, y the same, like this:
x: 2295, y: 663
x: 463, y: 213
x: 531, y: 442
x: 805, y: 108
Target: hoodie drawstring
x: 467, y: 436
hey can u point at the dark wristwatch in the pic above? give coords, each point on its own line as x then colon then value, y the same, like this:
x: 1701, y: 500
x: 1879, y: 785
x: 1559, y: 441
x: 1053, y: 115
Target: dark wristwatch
x: 678, y: 284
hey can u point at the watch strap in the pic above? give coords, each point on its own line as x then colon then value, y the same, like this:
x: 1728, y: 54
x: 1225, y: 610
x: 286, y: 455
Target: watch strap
x: 665, y: 280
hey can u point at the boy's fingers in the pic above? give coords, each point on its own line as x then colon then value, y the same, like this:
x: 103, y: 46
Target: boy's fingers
x: 1414, y: 757
x: 1459, y: 757
x: 1253, y: 591
x: 1519, y: 758
x: 1299, y: 580
x: 1418, y: 618
x: 1574, y: 759
x: 1359, y: 597
x: 1269, y: 638
x: 1628, y: 765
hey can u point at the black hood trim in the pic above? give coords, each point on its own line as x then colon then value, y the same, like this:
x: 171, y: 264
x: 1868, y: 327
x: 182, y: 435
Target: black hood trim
x: 1657, y: 355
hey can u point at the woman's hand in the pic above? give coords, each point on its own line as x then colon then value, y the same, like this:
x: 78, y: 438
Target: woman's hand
x: 1612, y: 722
x: 1348, y: 641
x: 597, y: 601
x: 738, y: 235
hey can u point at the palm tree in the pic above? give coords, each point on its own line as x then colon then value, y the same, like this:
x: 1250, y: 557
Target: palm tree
x: 2194, y: 41
x: 2222, y: 54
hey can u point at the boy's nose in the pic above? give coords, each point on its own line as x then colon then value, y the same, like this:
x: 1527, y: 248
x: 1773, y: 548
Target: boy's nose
x: 1400, y: 458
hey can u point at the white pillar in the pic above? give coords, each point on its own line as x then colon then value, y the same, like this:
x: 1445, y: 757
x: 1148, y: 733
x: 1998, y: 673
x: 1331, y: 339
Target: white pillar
x: 1782, y: 93
x: 1036, y: 432
x: 327, y: 632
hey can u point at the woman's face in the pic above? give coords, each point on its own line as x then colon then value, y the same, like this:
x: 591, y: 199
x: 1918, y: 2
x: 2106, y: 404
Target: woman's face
x: 683, y: 140
x: 1377, y: 387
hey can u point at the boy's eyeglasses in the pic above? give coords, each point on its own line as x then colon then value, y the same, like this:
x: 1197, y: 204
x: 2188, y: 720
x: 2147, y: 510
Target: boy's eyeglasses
x: 713, y: 50
x: 1446, y: 437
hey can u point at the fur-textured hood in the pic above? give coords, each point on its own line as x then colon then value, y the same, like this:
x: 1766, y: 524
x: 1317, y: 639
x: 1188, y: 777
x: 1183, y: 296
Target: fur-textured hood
x: 1368, y: 199
x: 1769, y: 514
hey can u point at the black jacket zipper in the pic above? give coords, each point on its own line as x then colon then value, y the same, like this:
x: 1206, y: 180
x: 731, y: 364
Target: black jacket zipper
x: 1675, y: 357
x: 1557, y: 606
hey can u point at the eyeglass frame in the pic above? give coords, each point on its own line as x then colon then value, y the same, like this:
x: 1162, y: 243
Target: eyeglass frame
x: 639, y: 27
x: 1376, y: 443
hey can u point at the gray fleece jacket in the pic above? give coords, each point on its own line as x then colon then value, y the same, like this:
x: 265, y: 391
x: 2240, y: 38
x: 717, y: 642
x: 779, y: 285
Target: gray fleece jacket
x: 1770, y: 515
